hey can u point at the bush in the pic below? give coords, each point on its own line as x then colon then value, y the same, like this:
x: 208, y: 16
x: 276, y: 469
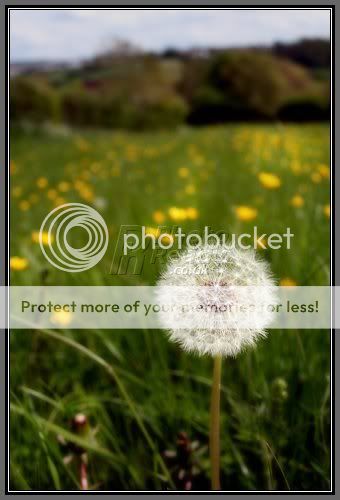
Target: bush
x: 33, y: 101
x: 303, y: 109
x: 148, y: 92
x: 117, y: 112
x: 81, y: 108
x: 210, y: 105
x: 249, y: 81
x: 163, y: 113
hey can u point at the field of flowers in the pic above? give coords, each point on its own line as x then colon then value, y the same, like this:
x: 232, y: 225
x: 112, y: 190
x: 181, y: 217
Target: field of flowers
x: 128, y: 409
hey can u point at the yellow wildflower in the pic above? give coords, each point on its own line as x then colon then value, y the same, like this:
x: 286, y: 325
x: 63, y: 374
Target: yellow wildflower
x: 52, y: 194
x: 166, y: 239
x: 269, y: 181
x: 46, y: 238
x: 152, y: 231
x: 59, y: 201
x: 87, y: 194
x: 324, y: 171
x: 64, y: 186
x: 61, y: 318
x: 18, y: 263
x: 24, y: 205
x: 190, y: 189
x: 297, y: 201
x: 78, y: 184
x: 177, y: 214
x: 192, y: 213
x: 327, y: 210
x: 158, y: 217
x: 42, y: 182
x: 183, y: 172
x: 287, y: 282
x: 17, y: 191
x: 245, y: 213
x: 316, y: 177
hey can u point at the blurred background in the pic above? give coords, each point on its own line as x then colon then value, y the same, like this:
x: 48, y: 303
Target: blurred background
x: 233, y: 77
x: 186, y: 118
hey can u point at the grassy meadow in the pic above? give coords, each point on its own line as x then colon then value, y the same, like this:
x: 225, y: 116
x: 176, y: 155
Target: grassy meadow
x: 137, y: 390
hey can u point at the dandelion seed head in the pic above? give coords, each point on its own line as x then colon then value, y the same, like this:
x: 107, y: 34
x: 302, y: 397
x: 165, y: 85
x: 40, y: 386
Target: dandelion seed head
x: 202, y: 292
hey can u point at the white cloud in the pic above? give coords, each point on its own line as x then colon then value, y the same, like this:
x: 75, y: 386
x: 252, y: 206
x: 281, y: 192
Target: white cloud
x: 78, y: 33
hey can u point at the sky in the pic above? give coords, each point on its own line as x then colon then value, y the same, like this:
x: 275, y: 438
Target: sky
x: 77, y: 34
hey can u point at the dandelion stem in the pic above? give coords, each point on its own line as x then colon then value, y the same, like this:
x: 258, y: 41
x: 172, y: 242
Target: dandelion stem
x: 214, y: 440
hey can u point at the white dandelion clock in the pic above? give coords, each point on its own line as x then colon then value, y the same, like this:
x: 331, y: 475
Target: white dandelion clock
x: 217, y: 300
